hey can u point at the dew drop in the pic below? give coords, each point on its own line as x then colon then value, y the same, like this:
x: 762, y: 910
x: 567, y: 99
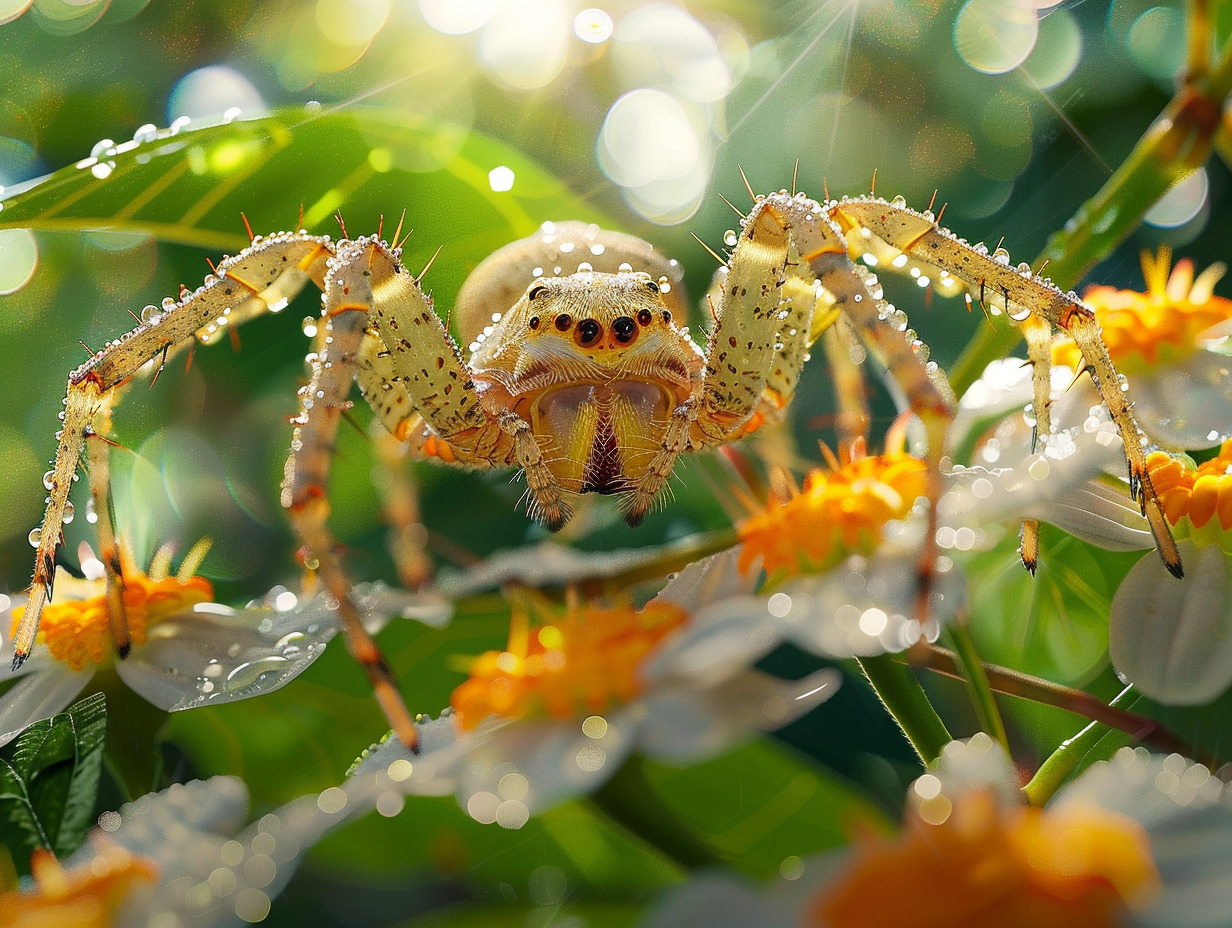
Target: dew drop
x: 35, y: 536
x: 69, y: 513
x: 729, y: 238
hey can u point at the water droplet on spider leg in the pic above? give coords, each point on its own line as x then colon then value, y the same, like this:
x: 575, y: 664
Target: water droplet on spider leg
x: 91, y: 511
x: 1028, y: 415
x: 730, y: 238
x: 146, y: 133
x: 69, y: 512
x: 1001, y: 256
x: 49, y: 480
x: 35, y: 537
x: 900, y: 201
x: 309, y: 325
x: 150, y: 315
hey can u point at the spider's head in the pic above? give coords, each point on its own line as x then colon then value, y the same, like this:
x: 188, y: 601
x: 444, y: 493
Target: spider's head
x: 589, y: 326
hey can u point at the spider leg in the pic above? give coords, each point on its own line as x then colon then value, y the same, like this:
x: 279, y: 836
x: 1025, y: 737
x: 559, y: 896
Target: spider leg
x: 918, y: 235
x: 98, y: 464
x: 1038, y: 333
x: 260, y: 279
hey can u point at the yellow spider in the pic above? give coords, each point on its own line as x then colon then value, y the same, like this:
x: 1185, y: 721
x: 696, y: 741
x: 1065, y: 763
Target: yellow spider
x: 583, y: 379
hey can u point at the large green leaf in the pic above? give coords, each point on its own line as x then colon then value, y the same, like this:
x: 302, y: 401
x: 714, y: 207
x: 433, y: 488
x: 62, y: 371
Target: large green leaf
x: 49, y: 780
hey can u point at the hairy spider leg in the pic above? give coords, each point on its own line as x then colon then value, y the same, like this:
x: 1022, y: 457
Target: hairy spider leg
x: 1023, y: 292
x: 260, y: 279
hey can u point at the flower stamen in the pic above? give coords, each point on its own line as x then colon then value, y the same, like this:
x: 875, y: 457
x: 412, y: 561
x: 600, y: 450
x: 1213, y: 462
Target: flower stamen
x: 839, y: 512
x: 1203, y: 496
x: 1163, y: 325
x: 77, y: 630
x: 578, y: 665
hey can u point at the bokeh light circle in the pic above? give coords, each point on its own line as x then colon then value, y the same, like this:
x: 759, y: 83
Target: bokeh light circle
x: 18, y: 259
x: 525, y: 44
x: 457, y: 17
x: 995, y: 36
x: 1057, y: 51
x: 1183, y: 201
x: 208, y: 94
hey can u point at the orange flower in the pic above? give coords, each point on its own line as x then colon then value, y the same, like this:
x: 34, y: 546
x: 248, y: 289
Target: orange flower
x: 974, y: 863
x: 1203, y: 496
x: 839, y: 512
x: 586, y: 661
x: 1164, y: 325
x: 77, y: 631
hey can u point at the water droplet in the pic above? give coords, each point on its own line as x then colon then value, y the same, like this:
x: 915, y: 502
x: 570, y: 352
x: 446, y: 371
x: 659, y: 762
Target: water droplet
x: 899, y: 201
x: 309, y: 325
x: 49, y: 480
x: 69, y: 513
x: 35, y: 536
x: 150, y: 315
x: 1001, y: 256
x: 729, y: 238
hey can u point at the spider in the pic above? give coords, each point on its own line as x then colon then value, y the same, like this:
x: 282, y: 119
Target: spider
x: 583, y: 379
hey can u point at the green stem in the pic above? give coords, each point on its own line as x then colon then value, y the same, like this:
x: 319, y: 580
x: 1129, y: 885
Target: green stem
x: 1063, y: 761
x: 900, y: 692
x: 629, y: 800
x: 981, y: 693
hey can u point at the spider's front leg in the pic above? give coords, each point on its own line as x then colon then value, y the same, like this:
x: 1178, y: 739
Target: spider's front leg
x: 1024, y: 292
x: 260, y: 279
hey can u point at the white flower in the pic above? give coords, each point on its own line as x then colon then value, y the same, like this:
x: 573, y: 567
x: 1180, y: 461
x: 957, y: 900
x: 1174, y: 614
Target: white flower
x: 1140, y: 840
x: 187, y: 650
x: 557, y: 715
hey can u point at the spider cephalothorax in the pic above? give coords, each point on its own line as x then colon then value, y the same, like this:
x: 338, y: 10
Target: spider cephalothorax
x: 577, y: 374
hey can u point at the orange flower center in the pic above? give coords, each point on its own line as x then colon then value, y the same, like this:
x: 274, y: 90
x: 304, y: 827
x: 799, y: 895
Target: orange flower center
x: 584, y: 663
x: 86, y: 896
x: 984, y: 865
x: 1203, y: 496
x: 78, y: 631
x: 1164, y: 325
x: 838, y: 513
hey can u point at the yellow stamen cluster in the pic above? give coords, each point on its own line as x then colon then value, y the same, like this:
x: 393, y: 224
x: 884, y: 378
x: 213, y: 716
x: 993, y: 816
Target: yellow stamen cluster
x: 1200, y: 495
x: 1162, y: 325
x: 84, y: 897
x: 838, y: 513
x: 582, y: 664
x: 78, y: 631
x: 988, y: 865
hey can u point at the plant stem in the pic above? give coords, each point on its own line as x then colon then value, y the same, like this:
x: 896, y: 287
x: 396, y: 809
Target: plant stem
x: 1012, y: 683
x: 900, y: 692
x: 630, y: 801
x: 1062, y: 762
x: 981, y: 693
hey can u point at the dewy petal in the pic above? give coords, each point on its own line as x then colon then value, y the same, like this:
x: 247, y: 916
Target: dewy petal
x: 38, y: 696
x: 1099, y: 511
x: 1172, y: 638
x: 549, y: 564
x: 1187, y: 814
x: 216, y: 654
x: 686, y: 725
x: 1189, y: 406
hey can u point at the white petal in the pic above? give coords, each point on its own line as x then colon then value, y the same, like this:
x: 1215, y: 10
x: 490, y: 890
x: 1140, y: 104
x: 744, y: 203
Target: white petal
x: 1188, y: 820
x: 709, y: 580
x: 717, y: 900
x: 1099, y: 511
x: 215, y: 654
x: 39, y: 696
x: 684, y: 724
x: 1187, y: 406
x: 867, y: 606
x: 549, y: 564
x: 1172, y: 638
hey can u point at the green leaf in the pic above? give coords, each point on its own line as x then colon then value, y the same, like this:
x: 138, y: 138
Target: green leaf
x: 1052, y: 625
x: 49, y: 779
x: 562, y: 913
x: 192, y: 187
x: 762, y: 803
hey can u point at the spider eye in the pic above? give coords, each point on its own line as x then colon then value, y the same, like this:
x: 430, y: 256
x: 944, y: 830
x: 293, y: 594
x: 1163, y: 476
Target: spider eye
x: 667, y: 315
x: 563, y: 321
x: 644, y: 316
x: 534, y: 322
x: 652, y: 286
x: 625, y: 329
x: 588, y: 331
x: 537, y: 291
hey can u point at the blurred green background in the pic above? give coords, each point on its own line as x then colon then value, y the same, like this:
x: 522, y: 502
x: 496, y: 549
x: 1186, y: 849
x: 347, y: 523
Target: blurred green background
x: 636, y: 114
